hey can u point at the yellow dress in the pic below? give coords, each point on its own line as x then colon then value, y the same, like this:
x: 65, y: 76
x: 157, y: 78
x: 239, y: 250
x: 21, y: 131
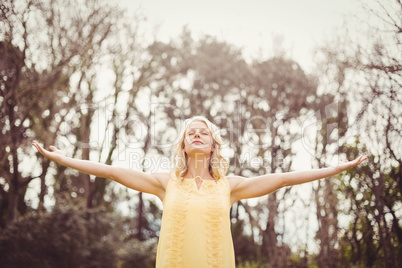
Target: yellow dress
x: 195, y: 230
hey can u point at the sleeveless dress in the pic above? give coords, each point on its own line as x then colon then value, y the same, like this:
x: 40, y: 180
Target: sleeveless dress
x: 195, y: 230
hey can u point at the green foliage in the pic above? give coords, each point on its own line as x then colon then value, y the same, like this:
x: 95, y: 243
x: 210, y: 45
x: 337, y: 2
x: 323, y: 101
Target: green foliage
x: 372, y: 238
x: 73, y: 238
x: 138, y: 254
x: 252, y: 264
x: 246, y: 249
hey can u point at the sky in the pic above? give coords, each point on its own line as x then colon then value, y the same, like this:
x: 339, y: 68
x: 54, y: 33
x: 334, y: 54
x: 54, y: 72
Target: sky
x: 251, y: 24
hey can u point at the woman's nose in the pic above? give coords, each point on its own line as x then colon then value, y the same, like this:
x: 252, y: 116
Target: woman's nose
x: 197, y: 135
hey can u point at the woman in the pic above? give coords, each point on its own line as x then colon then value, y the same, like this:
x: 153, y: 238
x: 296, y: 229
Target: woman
x: 196, y: 194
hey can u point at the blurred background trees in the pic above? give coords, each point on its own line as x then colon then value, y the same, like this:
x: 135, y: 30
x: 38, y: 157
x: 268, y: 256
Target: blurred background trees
x: 82, y: 75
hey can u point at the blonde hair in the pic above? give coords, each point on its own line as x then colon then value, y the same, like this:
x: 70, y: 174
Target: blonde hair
x: 218, y: 165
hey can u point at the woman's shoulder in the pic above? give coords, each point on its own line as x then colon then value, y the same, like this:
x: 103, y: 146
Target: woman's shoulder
x: 162, y: 175
x: 234, y: 180
x: 163, y: 178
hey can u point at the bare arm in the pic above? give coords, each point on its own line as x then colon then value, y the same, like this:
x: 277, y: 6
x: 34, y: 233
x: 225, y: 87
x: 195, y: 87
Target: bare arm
x: 248, y: 188
x: 154, y: 183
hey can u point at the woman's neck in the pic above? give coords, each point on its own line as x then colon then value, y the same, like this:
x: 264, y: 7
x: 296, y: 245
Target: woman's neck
x: 198, y: 165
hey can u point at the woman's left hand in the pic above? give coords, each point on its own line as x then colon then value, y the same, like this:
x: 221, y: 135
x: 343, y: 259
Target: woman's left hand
x: 349, y: 164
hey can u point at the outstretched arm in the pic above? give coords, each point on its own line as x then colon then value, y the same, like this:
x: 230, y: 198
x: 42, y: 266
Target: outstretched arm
x: 154, y: 183
x: 248, y: 188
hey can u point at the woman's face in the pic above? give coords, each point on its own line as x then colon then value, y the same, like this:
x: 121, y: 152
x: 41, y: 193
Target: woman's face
x: 198, y: 139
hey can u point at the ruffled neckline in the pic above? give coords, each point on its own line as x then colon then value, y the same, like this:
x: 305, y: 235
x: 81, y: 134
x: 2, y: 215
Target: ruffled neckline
x: 201, y: 183
x: 199, y: 178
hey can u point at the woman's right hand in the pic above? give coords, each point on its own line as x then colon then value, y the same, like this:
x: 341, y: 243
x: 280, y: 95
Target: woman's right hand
x: 54, y: 154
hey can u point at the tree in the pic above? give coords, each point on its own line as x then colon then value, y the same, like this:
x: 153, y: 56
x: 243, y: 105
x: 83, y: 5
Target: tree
x: 35, y: 67
x: 281, y: 94
x: 370, y: 72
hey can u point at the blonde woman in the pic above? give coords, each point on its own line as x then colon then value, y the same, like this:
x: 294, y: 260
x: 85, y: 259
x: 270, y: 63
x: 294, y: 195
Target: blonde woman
x: 196, y: 195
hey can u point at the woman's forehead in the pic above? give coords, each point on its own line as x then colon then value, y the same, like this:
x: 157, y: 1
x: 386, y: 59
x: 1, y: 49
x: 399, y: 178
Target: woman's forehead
x: 197, y: 125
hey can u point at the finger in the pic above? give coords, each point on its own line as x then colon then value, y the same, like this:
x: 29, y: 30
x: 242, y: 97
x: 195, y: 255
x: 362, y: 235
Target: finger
x: 360, y: 159
x: 35, y: 144
x: 39, y: 148
x: 52, y: 148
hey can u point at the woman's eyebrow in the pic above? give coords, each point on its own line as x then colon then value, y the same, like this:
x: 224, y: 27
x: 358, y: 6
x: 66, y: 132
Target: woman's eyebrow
x: 202, y: 128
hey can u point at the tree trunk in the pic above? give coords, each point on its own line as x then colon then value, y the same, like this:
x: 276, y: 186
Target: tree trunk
x: 86, y: 132
x: 13, y: 196
x: 43, y: 188
x: 328, y: 224
x: 140, y: 215
x: 270, y: 240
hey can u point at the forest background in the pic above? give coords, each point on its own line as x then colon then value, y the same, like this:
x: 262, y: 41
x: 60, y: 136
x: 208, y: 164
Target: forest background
x: 87, y: 77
